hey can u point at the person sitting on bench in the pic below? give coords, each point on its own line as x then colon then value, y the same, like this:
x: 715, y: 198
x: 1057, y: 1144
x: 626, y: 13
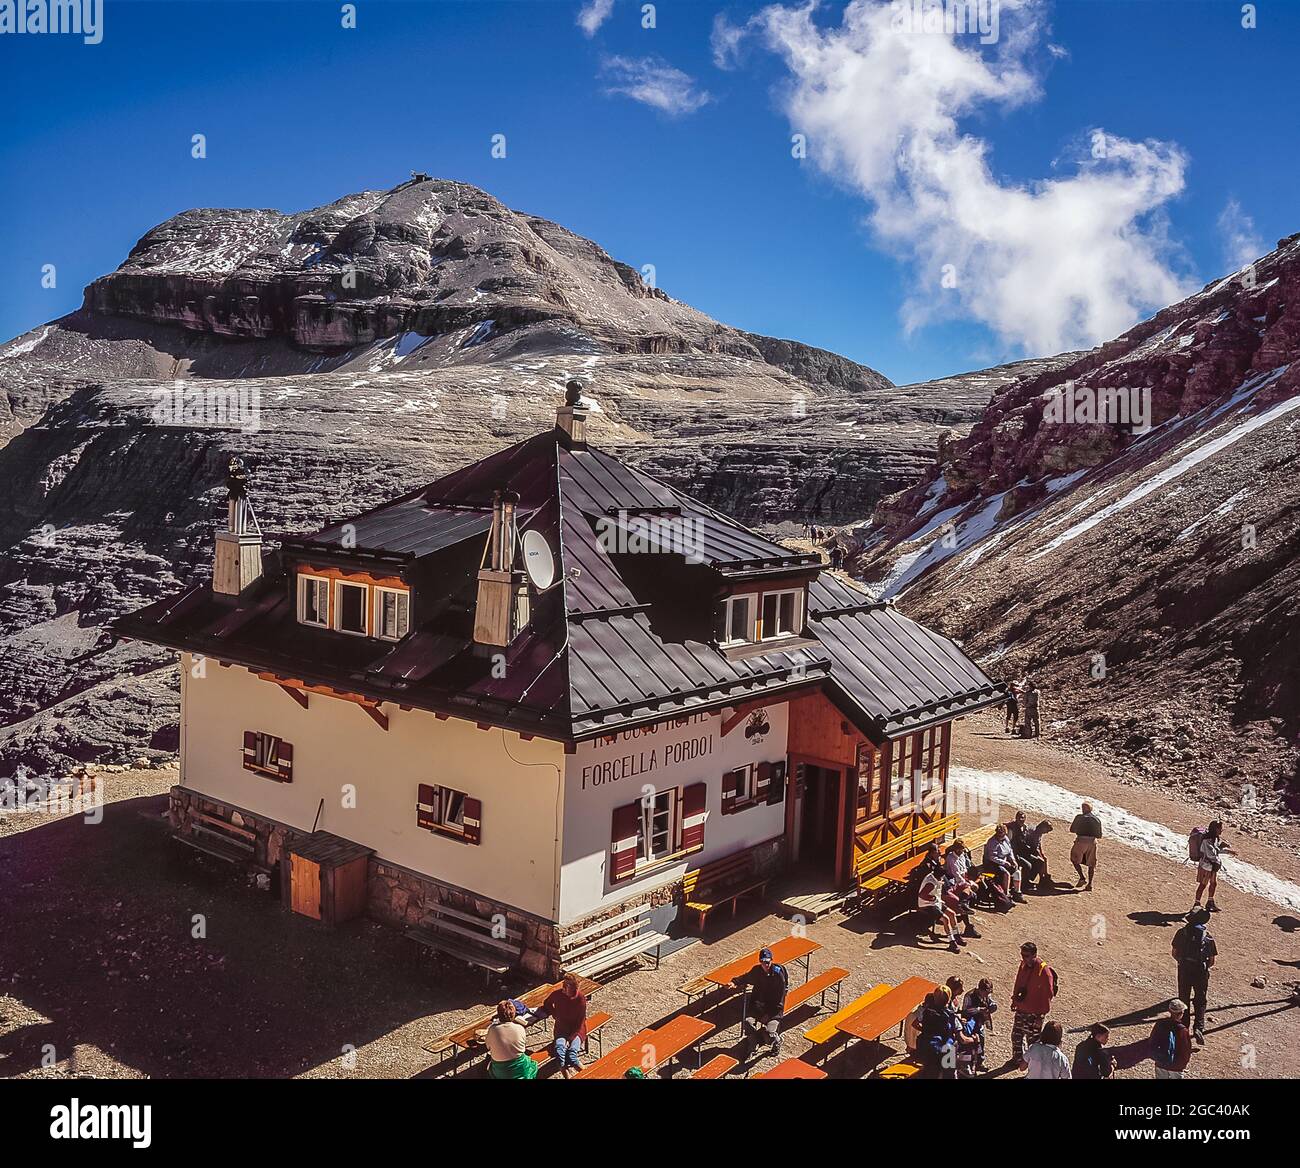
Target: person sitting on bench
x: 767, y: 983
x: 1000, y: 860
x: 569, y: 1009
x: 507, y: 1045
x: 929, y: 903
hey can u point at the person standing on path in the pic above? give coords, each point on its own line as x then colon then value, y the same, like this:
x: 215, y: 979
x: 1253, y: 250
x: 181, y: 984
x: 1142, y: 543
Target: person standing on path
x: 1083, y: 853
x: 1091, y: 1058
x: 1194, y: 950
x: 1031, y: 709
x: 1031, y: 999
x: 1207, y: 870
x: 1171, y: 1045
x: 1012, y: 723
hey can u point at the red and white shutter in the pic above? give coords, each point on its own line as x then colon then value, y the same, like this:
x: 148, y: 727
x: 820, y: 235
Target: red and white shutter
x: 426, y: 807
x: 776, y: 782
x: 250, y: 750
x: 695, y: 804
x: 622, y: 841
x: 731, y: 783
x: 472, y: 820
x: 762, y: 782
x: 284, y: 760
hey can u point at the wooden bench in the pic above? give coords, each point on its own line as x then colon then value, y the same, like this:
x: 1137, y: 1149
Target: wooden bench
x: 974, y: 840
x: 829, y: 979
x: 873, y: 870
x: 222, y: 840
x: 468, y: 938
x: 612, y: 943
x: 900, y: 1070
x: 793, y: 1068
x: 827, y: 1028
x: 716, y: 1067
x: 719, y: 883
x: 696, y: 987
x: 595, y: 1027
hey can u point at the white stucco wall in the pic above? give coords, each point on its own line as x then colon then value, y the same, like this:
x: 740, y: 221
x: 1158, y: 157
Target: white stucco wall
x: 336, y: 743
x: 589, y: 803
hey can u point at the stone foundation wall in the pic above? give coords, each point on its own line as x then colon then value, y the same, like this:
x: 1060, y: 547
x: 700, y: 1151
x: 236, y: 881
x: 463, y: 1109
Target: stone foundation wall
x: 400, y: 897
x: 272, y: 837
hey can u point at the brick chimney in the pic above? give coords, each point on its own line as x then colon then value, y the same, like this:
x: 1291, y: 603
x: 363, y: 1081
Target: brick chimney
x: 238, y: 562
x: 571, y: 418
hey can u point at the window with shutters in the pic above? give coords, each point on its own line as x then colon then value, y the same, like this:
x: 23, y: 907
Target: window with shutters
x: 269, y: 755
x: 449, y: 812
x: 314, y: 601
x: 392, y: 613
x: 659, y: 830
x: 738, y: 787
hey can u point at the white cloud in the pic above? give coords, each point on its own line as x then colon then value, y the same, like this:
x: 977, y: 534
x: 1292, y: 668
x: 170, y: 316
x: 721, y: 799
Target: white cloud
x: 1050, y: 265
x: 725, y: 41
x: 653, y: 82
x: 594, y: 13
x: 1241, y: 242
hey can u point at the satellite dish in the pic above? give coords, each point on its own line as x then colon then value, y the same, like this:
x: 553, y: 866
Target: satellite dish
x: 539, y: 563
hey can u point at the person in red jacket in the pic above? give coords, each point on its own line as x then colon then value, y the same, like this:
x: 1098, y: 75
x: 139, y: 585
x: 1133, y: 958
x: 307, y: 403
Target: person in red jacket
x: 569, y: 1009
x: 1031, y: 999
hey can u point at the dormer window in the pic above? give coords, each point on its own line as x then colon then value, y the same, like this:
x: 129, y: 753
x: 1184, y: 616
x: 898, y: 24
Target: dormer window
x: 360, y: 608
x: 314, y: 601
x: 350, y: 605
x: 782, y: 614
x: 750, y: 617
x: 735, y: 620
x: 392, y: 613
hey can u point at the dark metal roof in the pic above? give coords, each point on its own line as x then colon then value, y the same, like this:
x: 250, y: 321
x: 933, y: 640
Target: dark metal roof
x: 616, y: 642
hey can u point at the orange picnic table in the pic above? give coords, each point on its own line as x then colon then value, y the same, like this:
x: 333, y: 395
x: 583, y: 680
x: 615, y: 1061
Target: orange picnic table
x: 887, y: 1011
x: 786, y: 951
x: 650, y: 1049
x: 793, y: 1068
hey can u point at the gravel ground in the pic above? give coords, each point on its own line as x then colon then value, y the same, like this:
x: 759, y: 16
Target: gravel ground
x: 121, y: 957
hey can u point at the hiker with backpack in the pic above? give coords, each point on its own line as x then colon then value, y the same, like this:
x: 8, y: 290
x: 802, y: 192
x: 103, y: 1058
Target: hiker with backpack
x: 1091, y: 1058
x: 1171, y: 1045
x: 1036, y: 985
x: 1194, y: 950
x: 1205, y: 845
x: 1083, y: 853
x: 1011, y: 724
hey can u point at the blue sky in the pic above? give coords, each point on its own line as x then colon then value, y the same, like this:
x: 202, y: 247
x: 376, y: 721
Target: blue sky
x: 297, y: 111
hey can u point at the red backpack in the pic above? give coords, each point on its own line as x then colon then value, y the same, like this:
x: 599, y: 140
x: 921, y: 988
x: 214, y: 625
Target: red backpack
x: 1194, y: 843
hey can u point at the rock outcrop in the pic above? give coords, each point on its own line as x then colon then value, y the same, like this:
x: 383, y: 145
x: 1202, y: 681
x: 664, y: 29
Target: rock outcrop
x: 351, y: 353
x: 1147, y: 574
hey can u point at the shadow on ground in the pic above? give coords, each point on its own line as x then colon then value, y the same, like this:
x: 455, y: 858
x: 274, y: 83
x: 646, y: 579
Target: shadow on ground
x: 98, y: 937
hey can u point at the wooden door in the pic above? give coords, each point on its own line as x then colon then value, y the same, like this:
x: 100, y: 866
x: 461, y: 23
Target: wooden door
x: 304, y: 887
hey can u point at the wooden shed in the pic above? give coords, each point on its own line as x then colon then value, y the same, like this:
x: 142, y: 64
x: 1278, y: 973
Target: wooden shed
x: 326, y: 878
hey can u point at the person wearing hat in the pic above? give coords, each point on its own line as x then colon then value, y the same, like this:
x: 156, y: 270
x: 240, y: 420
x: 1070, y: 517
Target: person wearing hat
x: 1171, y: 1045
x: 1194, y: 950
x: 765, y: 986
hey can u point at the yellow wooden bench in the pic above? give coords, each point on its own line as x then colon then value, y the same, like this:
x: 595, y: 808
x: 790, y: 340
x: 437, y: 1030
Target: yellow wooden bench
x: 900, y: 1070
x: 979, y: 837
x: 719, y: 883
x: 826, y: 1029
x: 867, y: 868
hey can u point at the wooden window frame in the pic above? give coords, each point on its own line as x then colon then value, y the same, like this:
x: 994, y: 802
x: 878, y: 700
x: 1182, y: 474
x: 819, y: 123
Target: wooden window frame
x: 796, y: 624
x: 435, y: 821
x: 646, y: 820
x: 272, y: 765
x: 751, y: 600
x: 366, y: 614
x: 304, y: 578
x: 379, y: 591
